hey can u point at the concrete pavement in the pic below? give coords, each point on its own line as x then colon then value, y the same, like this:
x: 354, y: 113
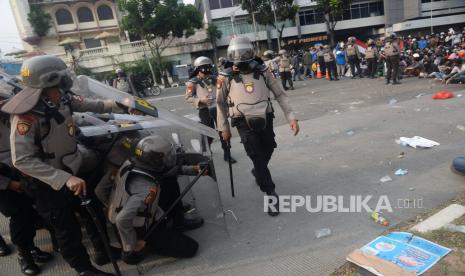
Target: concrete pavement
x: 323, y: 160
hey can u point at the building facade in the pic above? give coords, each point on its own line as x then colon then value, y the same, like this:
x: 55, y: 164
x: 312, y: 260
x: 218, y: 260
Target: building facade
x: 363, y: 19
x: 96, y: 38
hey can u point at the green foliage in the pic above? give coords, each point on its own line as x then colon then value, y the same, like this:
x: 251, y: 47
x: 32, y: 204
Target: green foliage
x: 81, y: 70
x: 333, y: 8
x: 153, y: 19
x: 285, y: 10
x: 213, y: 33
x: 39, y: 20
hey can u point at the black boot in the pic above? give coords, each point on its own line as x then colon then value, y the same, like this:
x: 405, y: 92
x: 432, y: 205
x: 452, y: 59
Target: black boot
x: 27, y: 264
x: 40, y: 256
x: 225, y: 157
x: 273, y: 211
x: 387, y: 81
x: 94, y: 272
x: 132, y: 257
x: 101, y: 256
x: 4, y: 248
x: 255, y: 176
x: 188, y: 224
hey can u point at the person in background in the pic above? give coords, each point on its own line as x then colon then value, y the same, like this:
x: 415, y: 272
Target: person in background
x: 295, y: 63
x: 340, y: 60
x: 330, y: 63
x: 353, y: 57
x: 371, y: 56
x: 307, y: 64
x: 321, y: 60
x: 121, y: 82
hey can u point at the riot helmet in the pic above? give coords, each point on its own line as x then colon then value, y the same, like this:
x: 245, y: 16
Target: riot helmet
x: 203, y: 64
x: 155, y: 153
x: 240, y: 51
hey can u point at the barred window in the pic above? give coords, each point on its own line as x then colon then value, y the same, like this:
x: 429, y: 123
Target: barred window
x: 63, y: 17
x: 84, y: 14
x: 104, y: 12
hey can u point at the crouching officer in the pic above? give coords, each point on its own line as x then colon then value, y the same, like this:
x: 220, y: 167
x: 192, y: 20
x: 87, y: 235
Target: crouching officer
x: 330, y: 61
x: 15, y: 205
x: 372, y: 56
x: 392, y: 53
x: 44, y: 148
x: 244, y: 95
x: 201, y: 93
x: 145, y: 187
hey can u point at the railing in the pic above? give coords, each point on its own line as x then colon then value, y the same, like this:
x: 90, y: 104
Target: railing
x: 132, y: 47
x: 99, y: 51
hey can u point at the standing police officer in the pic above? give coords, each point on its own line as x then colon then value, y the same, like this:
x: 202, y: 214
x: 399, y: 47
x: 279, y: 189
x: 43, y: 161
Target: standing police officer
x: 285, y: 69
x: 372, y: 56
x: 330, y: 61
x: 201, y: 93
x: 44, y: 148
x: 392, y: 54
x: 244, y: 96
x: 15, y: 205
x: 353, y: 57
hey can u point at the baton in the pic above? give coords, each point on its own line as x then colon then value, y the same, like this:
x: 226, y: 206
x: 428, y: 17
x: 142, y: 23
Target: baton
x: 85, y: 201
x: 231, y: 178
x: 173, y: 205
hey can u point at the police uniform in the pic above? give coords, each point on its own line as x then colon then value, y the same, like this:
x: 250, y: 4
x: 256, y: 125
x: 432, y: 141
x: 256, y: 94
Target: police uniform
x: 392, y: 53
x: 353, y: 57
x: 244, y: 97
x: 44, y: 148
x: 372, y: 55
x: 285, y: 71
x: 330, y: 61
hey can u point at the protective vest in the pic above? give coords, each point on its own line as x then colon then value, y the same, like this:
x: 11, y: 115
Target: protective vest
x: 390, y: 50
x: 328, y: 57
x: 122, y: 84
x: 351, y: 51
x: 370, y: 52
x: 249, y: 96
x: 57, y: 142
x: 284, y: 64
x: 120, y: 195
x: 205, y: 88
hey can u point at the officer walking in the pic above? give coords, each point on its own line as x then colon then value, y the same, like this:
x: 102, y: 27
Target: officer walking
x: 15, y: 205
x: 353, y: 57
x: 267, y: 58
x: 330, y: 61
x: 244, y: 96
x: 285, y: 69
x: 201, y: 93
x: 43, y: 147
x: 372, y: 56
x: 392, y: 55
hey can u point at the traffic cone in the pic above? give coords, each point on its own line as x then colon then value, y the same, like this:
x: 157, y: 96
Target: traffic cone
x: 327, y: 74
x: 318, y: 72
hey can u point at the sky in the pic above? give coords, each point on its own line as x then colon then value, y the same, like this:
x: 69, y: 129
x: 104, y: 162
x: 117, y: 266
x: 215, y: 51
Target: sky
x: 9, y: 37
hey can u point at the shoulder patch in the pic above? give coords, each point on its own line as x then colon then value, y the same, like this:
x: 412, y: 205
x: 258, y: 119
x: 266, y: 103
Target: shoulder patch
x: 24, y: 124
x: 189, y: 87
x: 220, y: 81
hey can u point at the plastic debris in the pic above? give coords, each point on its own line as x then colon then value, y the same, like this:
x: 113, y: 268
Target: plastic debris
x: 460, y: 127
x: 321, y: 233
x: 392, y: 101
x: 401, y: 155
x: 443, y: 95
x: 401, y: 172
x: 411, y: 189
x: 417, y: 142
x: 420, y: 95
x: 459, y: 96
x: 376, y: 217
x: 454, y: 228
x: 350, y: 132
x: 385, y: 179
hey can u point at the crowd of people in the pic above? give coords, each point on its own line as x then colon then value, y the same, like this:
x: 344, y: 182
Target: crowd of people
x: 438, y: 56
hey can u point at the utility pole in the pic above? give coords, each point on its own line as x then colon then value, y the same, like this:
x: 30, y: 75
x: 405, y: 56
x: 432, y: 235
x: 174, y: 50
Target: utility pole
x: 276, y: 24
x: 257, y: 45
x: 431, y: 14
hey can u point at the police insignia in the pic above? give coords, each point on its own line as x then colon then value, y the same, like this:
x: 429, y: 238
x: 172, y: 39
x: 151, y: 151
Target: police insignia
x: 249, y: 87
x: 190, y: 87
x: 220, y: 81
x: 23, y: 127
x: 71, y: 129
x: 25, y: 72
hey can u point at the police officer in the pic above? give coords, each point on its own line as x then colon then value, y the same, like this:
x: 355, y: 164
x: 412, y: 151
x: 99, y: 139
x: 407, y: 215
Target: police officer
x: 330, y: 61
x: 244, y: 96
x: 15, y: 205
x: 372, y: 56
x: 353, y: 57
x: 44, y: 148
x: 267, y: 58
x: 392, y: 55
x: 201, y: 93
x: 284, y: 65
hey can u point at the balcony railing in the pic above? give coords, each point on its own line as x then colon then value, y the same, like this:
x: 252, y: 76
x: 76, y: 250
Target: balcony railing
x: 132, y: 47
x: 99, y: 51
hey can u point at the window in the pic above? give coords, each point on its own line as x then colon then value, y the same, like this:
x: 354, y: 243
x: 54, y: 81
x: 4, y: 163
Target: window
x: 63, y: 17
x: 104, y: 13
x: 226, y: 3
x: 214, y: 4
x: 84, y: 14
x: 221, y: 4
x: 92, y: 43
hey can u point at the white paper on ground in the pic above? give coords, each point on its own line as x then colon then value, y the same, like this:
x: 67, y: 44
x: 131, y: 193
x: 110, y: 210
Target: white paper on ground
x: 418, y: 142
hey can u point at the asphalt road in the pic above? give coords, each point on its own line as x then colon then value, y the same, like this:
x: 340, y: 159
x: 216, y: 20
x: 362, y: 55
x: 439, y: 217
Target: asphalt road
x: 346, y: 144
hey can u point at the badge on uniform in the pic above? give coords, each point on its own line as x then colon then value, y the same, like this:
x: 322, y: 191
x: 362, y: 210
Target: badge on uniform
x: 71, y: 129
x: 249, y: 87
x: 220, y: 81
x: 23, y: 127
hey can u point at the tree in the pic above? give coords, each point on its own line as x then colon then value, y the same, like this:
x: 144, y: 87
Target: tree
x: 214, y: 34
x: 160, y: 23
x: 264, y: 15
x: 332, y: 11
x: 40, y: 20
